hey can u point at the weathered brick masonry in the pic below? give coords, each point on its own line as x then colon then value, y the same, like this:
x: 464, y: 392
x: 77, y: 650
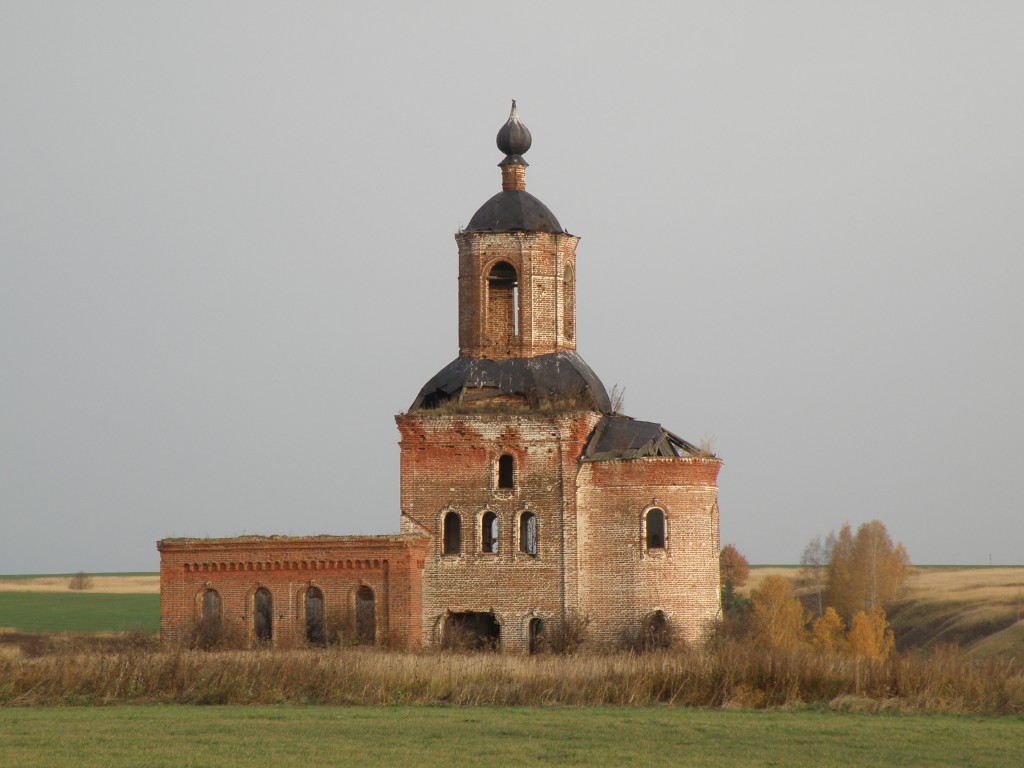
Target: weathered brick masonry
x: 287, y: 567
x: 525, y: 500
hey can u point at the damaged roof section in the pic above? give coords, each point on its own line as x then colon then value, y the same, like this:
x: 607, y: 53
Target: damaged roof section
x: 620, y: 437
x: 559, y: 377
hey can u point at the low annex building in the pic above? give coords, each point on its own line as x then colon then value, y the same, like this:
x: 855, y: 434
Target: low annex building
x: 527, y: 502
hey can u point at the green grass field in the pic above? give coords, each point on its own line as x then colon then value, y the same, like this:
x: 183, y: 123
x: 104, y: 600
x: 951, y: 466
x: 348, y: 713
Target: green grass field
x: 78, y: 612
x: 482, y: 736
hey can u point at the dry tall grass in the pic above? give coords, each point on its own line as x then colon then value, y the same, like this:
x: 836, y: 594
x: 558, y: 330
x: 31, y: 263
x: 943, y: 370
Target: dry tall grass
x: 138, y: 670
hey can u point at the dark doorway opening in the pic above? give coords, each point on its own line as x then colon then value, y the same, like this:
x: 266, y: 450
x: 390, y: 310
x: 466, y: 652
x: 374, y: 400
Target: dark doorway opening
x: 314, y: 616
x: 536, y: 635
x: 262, y: 616
x: 472, y: 630
x: 656, y: 631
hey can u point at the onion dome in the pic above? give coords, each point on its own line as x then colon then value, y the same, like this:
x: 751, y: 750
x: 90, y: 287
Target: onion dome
x: 514, y: 139
x: 514, y: 209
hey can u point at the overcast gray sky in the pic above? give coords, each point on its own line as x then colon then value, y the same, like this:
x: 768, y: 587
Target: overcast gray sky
x: 226, y: 255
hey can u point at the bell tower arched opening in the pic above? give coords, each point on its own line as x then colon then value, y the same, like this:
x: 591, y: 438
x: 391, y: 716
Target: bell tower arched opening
x: 503, y: 305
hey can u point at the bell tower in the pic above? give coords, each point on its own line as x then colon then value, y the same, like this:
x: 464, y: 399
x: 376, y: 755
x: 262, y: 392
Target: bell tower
x: 540, y: 502
x: 517, y: 267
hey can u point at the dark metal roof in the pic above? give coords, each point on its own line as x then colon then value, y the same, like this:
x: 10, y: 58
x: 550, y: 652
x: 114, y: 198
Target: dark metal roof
x: 620, y: 437
x: 552, y: 377
x: 511, y: 210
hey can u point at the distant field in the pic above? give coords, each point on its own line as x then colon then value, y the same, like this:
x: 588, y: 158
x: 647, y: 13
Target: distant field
x: 78, y: 611
x: 123, y: 736
x: 978, y: 608
x: 108, y: 583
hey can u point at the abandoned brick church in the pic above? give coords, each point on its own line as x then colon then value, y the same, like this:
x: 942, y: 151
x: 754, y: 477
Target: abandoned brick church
x: 526, y: 500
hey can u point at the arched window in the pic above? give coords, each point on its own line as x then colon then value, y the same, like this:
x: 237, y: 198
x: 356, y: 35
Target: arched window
x: 452, y: 535
x: 489, y: 532
x: 366, y: 617
x: 569, y: 304
x: 314, y: 616
x: 528, y: 533
x: 211, y: 606
x: 502, y: 303
x: 536, y: 635
x: 210, y: 633
x: 655, y: 528
x: 507, y: 471
x: 262, y: 616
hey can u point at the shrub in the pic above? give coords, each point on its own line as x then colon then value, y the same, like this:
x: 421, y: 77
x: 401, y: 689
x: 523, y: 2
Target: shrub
x: 214, y: 634
x: 80, y: 580
x: 653, y: 633
x: 565, y: 636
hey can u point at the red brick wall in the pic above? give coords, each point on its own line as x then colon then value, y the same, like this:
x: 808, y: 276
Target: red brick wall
x: 591, y: 556
x: 540, y: 260
x: 450, y: 463
x: 287, y: 566
x: 623, y: 580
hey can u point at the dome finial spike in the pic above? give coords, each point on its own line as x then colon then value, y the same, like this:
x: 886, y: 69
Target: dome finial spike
x: 514, y: 138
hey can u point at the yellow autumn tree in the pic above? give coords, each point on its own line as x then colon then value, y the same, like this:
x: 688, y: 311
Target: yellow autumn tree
x: 827, y: 632
x: 870, y: 636
x: 777, y: 618
x: 866, y: 571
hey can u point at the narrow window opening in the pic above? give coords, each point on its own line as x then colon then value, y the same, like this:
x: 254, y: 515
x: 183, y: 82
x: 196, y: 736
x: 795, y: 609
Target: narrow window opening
x: 263, y: 616
x: 528, y: 533
x: 655, y: 529
x: 366, y: 617
x: 506, y: 472
x: 452, y: 534
x: 314, y: 616
x: 489, y: 532
x: 515, y: 309
x: 569, y: 303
